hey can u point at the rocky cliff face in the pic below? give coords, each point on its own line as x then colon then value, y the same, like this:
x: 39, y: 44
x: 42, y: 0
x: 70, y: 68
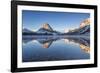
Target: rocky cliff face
x: 80, y: 31
x: 85, y: 22
x: 84, y: 28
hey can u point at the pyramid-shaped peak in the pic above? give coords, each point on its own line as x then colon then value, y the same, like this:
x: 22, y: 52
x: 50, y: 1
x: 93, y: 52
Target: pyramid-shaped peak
x: 47, y: 26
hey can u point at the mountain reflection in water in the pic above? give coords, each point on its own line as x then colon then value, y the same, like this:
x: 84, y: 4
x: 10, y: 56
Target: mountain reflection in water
x: 57, y: 48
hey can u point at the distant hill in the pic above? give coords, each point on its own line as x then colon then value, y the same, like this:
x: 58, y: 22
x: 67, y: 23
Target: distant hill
x: 26, y: 31
x: 83, y: 31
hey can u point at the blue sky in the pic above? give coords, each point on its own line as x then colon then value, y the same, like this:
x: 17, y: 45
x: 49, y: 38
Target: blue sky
x: 59, y: 21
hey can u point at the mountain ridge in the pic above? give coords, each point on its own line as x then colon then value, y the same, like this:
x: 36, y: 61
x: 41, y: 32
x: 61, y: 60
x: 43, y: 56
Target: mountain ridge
x: 46, y: 29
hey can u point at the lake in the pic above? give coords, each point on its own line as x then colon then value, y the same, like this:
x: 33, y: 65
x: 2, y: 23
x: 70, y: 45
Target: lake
x: 55, y: 48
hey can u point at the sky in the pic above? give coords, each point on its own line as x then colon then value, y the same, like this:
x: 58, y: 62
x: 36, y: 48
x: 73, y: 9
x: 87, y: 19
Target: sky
x: 59, y: 21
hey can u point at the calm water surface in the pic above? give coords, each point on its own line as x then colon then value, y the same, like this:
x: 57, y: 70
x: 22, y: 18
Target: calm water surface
x: 54, y: 48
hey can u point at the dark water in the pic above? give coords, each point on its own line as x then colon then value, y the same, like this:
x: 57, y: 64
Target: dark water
x: 54, y: 48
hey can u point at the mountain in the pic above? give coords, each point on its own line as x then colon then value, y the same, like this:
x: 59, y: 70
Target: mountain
x: 47, y: 26
x: 47, y: 30
x: 44, y: 30
x: 83, y: 31
x: 26, y: 31
x: 84, y: 28
x: 85, y: 22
